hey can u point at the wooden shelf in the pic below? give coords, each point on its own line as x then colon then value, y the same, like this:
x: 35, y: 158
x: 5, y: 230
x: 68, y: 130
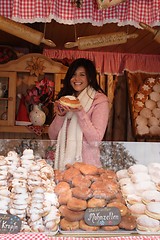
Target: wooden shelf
x: 18, y: 129
x: 18, y: 78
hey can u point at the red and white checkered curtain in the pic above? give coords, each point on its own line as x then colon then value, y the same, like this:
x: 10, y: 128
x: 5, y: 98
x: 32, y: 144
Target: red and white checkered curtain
x: 64, y: 11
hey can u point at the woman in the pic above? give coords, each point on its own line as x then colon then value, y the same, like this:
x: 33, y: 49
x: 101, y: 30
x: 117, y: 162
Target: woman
x: 78, y: 131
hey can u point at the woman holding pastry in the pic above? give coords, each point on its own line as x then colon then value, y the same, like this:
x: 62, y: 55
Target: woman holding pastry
x: 81, y: 116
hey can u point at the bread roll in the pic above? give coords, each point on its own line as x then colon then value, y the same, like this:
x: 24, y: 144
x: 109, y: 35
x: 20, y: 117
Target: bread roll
x: 86, y: 227
x: 68, y: 226
x: 76, y: 204
x: 70, y: 215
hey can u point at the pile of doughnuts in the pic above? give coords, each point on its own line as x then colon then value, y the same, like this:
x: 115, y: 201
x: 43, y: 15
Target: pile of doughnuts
x: 81, y: 186
x: 27, y: 190
x: 140, y: 188
x: 146, y: 107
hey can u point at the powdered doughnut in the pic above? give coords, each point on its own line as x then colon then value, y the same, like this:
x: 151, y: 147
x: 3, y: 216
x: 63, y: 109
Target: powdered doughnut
x: 142, y: 130
x: 133, y: 198
x: 153, y: 121
x: 150, y: 196
x: 76, y: 204
x: 140, y: 120
x: 68, y: 226
x: 156, y: 112
x: 154, y: 130
x: 137, y: 209
x: 146, y: 112
x: 148, y: 224
x: 150, y: 104
x: 155, y: 96
x: 123, y: 173
x: 153, y: 210
x: 124, y: 181
x: 137, y: 168
x: 85, y: 227
x: 140, y: 187
x: 156, y: 87
x: 140, y: 177
x: 128, y: 189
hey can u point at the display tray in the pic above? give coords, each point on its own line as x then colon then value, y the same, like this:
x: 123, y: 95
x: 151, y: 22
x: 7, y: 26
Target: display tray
x: 147, y: 233
x: 49, y: 234
x: 97, y: 233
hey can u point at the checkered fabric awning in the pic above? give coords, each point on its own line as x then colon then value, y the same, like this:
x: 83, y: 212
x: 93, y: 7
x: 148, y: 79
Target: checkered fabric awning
x: 64, y: 11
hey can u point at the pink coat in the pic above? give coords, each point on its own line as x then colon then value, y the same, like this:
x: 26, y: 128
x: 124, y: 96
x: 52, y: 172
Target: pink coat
x: 93, y: 125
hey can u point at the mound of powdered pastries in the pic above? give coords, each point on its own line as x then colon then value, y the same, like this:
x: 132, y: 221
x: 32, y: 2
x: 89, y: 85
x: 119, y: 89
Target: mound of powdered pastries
x: 146, y: 105
x: 27, y: 190
x: 81, y: 186
x: 140, y: 188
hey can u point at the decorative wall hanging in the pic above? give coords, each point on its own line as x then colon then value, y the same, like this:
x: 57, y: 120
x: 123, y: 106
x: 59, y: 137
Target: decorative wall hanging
x: 35, y: 66
x: 100, y: 40
x: 24, y: 32
x: 152, y: 30
x: 108, y: 3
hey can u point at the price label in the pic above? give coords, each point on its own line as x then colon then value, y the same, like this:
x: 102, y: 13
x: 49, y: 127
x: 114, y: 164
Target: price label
x: 9, y: 223
x: 107, y: 216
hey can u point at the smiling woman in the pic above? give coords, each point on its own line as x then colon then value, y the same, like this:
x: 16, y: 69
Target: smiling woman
x: 77, y: 130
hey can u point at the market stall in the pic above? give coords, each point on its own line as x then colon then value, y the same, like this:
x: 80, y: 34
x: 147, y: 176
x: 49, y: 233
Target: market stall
x: 134, y: 159
x: 115, y: 156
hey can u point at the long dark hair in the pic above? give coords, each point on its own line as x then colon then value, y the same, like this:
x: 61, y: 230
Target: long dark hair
x: 90, y: 72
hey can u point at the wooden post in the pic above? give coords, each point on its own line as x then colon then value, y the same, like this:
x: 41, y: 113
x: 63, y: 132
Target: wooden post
x: 120, y: 115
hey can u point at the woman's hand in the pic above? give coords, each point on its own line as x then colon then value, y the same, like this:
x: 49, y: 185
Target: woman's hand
x: 59, y: 109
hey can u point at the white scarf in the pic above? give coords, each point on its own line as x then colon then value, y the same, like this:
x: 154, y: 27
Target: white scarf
x: 69, y: 142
